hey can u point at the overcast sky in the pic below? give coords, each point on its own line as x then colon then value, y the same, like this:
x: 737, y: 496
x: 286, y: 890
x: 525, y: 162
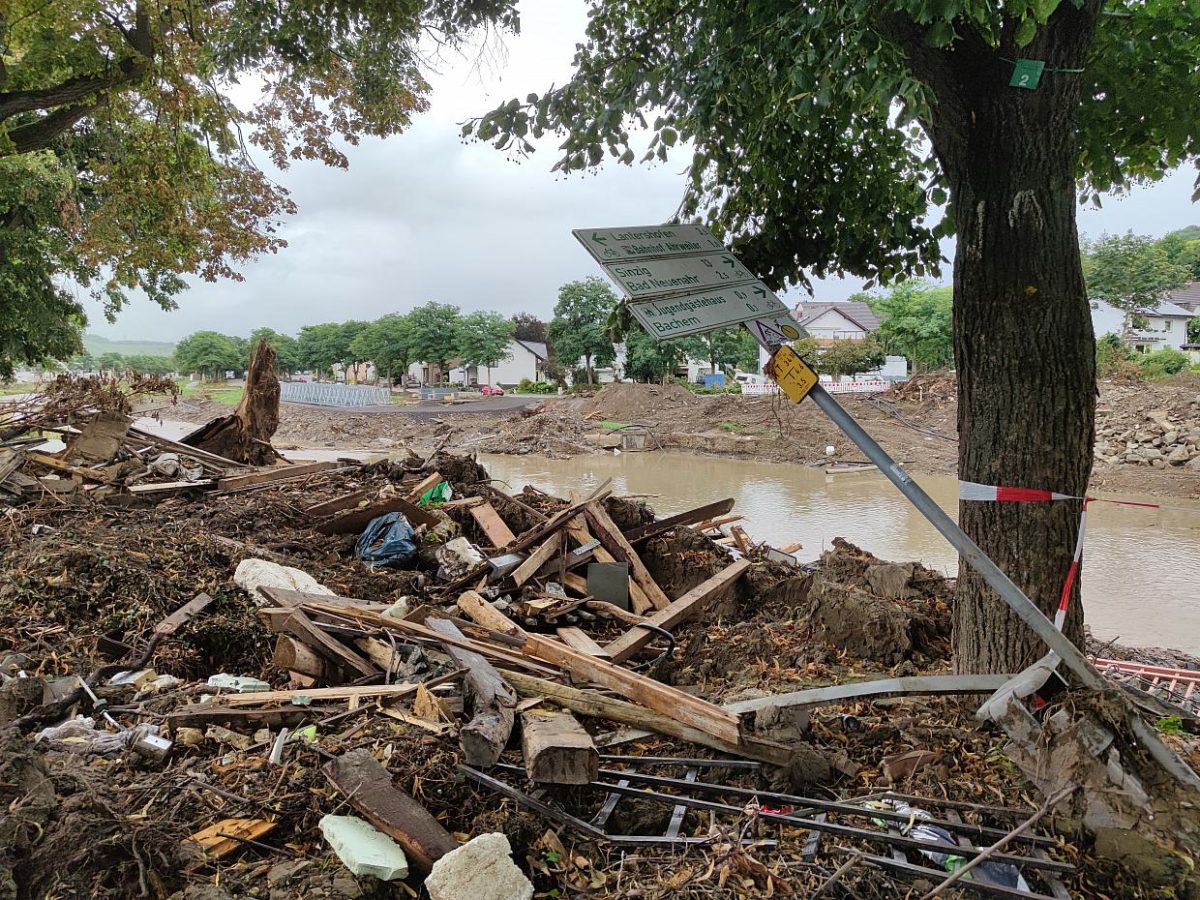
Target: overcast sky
x: 422, y: 216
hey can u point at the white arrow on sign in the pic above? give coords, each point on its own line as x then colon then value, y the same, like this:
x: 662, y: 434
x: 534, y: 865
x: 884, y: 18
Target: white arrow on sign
x: 671, y: 317
x: 651, y: 277
x: 611, y: 244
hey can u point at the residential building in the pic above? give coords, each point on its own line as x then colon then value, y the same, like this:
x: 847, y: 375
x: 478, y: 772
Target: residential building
x: 849, y: 320
x: 1164, y: 325
x: 1187, y: 297
x: 523, y: 359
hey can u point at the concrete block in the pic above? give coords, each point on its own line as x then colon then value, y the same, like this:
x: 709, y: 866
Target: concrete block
x: 481, y: 869
x: 364, y: 849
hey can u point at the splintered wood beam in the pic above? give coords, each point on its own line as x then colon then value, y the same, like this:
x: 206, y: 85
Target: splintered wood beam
x: 183, y: 615
x: 367, y: 786
x: 576, y: 637
x: 578, y: 530
x: 498, y: 533
x: 592, y: 703
x: 355, y: 520
x: 431, y: 480
x: 691, y: 517
x: 337, y: 504
x: 296, y: 656
x: 670, y: 701
x: 483, y: 738
x: 689, y: 605
x: 275, y: 473
x: 614, y: 542
x: 300, y: 626
x: 537, y: 559
x: 557, y: 749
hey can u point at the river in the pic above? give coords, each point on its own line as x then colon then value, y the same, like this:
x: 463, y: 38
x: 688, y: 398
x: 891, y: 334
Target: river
x: 1141, y: 566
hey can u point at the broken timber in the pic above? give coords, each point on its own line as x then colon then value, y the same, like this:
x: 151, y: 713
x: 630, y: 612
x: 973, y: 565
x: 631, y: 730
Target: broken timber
x: 691, y: 517
x: 886, y: 687
x: 367, y: 786
x: 614, y: 542
x: 662, y: 698
x: 235, y: 483
x: 485, y: 736
x: 557, y: 749
x: 537, y: 559
x: 492, y: 525
x: 690, y: 604
x: 355, y: 520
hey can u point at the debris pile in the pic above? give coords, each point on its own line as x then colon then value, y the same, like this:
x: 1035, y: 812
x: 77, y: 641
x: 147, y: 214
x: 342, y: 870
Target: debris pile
x: 326, y: 682
x: 1146, y: 435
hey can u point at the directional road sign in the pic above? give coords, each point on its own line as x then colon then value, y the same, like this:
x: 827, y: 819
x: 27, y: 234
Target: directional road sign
x: 684, y: 314
x: 655, y: 277
x: 647, y: 242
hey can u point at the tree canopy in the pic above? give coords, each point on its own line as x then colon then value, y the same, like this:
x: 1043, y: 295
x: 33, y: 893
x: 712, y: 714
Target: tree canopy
x: 434, y: 330
x: 1131, y: 272
x: 483, y: 338
x: 287, y: 349
x: 578, y: 329
x: 723, y: 349
x: 387, y: 342
x: 528, y: 327
x: 207, y: 352
x: 916, y: 321
x: 124, y: 160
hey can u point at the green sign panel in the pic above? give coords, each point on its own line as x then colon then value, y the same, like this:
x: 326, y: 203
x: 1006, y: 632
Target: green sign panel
x: 1027, y: 73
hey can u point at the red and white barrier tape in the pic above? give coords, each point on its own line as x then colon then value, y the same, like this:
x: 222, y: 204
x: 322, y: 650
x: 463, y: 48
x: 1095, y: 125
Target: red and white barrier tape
x: 971, y: 490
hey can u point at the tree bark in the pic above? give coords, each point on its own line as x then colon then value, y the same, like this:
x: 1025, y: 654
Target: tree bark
x: 1023, y: 342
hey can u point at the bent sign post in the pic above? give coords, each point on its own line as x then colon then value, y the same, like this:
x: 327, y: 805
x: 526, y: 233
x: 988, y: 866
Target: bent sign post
x: 667, y: 305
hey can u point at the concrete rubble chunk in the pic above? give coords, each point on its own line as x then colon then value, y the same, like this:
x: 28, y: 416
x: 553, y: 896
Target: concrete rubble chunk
x: 481, y: 869
x: 364, y: 849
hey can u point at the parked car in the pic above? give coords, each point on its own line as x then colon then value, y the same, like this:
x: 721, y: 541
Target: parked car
x: 491, y: 391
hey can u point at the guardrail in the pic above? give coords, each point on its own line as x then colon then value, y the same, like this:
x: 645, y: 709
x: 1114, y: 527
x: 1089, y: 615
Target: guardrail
x: 334, y: 394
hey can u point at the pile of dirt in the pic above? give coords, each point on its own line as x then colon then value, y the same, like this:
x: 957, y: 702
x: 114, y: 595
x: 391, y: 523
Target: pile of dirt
x: 552, y: 433
x: 629, y: 402
x: 1154, y: 424
x: 940, y: 386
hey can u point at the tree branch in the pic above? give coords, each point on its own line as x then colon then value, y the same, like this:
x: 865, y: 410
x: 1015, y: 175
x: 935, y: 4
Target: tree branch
x: 40, y: 134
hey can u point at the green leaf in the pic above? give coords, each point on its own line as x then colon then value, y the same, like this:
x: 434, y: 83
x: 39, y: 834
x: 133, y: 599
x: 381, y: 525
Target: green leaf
x: 940, y: 34
x: 1025, y: 32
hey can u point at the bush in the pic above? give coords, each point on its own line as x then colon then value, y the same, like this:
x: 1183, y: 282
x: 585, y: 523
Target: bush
x: 1111, y: 352
x: 1162, y: 363
x: 535, y: 387
x: 734, y: 388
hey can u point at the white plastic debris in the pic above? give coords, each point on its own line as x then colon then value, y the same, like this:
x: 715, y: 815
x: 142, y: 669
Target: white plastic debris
x: 243, y: 684
x: 830, y: 449
x: 253, y: 573
x: 364, y: 849
x: 481, y: 869
x: 80, y: 735
x: 457, y: 557
x: 398, y: 610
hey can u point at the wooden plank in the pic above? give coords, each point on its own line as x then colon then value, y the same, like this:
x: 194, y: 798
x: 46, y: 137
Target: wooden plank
x: 166, y: 487
x: 183, y: 615
x: 710, y: 524
x: 537, y: 559
x: 186, y: 450
x: 581, y: 641
x: 296, y: 656
x: 690, y: 604
x: 662, y: 698
x: 337, y: 504
x: 431, y: 480
x: 300, y: 626
x: 462, y: 503
x: 592, y: 703
x: 10, y: 461
x: 578, y: 530
x: 201, y: 715
x: 51, y: 462
x: 367, y: 786
x: 483, y: 738
x: 343, y: 692
x: 614, y: 542
x: 557, y: 749
x: 493, y: 526
x: 691, y: 517
x: 292, y: 599
x: 354, y: 521
x: 274, y: 473
x: 215, y: 846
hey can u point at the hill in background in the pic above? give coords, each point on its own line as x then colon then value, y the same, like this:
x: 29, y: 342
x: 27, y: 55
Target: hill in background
x: 97, y: 345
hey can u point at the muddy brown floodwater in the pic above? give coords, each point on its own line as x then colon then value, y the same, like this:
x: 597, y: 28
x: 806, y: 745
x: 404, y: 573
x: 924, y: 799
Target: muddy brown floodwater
x: 1141, y: 570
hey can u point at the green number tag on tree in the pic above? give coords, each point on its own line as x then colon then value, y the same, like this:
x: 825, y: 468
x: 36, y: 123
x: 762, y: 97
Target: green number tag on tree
x: 1027, y: 73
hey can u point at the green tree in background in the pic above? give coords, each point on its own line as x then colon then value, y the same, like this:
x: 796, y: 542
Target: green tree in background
x: 143, y: 364
x: 320, y: 346
x: 123, y: 144
x: 1183, y: 247
x: 387, y: 343
x: 1132, y: 273
x: 723, y: 349
x: 347, y: 332
x: 916, y: 320
x: 209, y: 353
x: 850, y: 357
x: 111, y: 362
x: 578, y: 329
x: 287, y: 349
x: 483, y: 339
x: 434, y: 328
x: 820, y: 137
x: 648, y: 360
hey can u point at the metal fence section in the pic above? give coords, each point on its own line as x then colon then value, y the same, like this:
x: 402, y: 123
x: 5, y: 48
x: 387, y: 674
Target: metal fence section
x: 334, y: 394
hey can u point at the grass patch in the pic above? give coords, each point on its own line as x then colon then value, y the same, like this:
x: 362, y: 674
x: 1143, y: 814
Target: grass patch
x: 609, y: 425
x: 18, y: 387
x: 216, y: 391
x: 732, y: 427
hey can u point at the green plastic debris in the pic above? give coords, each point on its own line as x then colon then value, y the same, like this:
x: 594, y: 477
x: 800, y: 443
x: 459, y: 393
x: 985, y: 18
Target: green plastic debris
x: 438, y: 494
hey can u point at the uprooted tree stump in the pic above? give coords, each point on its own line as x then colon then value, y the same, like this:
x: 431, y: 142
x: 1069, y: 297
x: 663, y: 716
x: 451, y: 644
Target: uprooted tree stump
x: 245, y: 436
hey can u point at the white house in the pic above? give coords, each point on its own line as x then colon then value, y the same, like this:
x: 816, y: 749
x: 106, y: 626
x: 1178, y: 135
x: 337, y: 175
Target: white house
x: 850, y: 320
x: 523, y: 359
x: 1163, y: 326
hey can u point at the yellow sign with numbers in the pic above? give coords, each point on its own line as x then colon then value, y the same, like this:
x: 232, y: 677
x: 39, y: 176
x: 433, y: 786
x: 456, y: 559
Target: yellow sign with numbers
x: 793, y: 375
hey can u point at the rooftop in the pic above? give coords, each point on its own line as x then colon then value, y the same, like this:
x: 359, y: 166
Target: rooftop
x: 856, y: 311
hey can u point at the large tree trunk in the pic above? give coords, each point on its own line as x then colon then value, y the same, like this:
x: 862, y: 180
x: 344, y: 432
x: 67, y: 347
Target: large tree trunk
x: 245, y: 436
x: 1023, y: 342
